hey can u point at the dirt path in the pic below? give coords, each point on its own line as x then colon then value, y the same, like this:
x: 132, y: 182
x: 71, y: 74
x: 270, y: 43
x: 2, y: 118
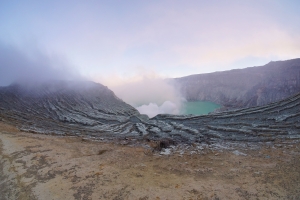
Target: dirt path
x: 36, y: 166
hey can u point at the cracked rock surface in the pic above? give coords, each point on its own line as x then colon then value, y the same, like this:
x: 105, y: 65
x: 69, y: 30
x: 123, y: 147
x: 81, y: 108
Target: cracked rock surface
x: 91, y: 110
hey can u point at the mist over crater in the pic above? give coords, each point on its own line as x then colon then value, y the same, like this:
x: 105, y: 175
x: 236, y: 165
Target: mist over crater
x: 151, y: 96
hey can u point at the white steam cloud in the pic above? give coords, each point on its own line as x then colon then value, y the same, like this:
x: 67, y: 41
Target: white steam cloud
x: 150, y: 95
x: 152, y: 109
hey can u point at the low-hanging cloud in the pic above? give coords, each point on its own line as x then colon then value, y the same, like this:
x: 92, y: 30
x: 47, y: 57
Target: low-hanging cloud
x: 32, y: 65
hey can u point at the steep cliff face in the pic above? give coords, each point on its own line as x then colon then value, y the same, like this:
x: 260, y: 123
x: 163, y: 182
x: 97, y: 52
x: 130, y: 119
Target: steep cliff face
x: 248, y: 87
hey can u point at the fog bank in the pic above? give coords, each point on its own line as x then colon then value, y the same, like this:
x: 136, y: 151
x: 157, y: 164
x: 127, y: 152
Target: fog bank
x: 32, y: 65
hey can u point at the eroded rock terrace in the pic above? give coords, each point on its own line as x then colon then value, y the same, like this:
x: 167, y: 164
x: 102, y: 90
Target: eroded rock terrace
x: 91, y: 110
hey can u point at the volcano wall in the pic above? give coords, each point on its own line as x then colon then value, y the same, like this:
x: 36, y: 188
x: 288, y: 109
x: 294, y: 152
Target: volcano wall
x: 240, y: 88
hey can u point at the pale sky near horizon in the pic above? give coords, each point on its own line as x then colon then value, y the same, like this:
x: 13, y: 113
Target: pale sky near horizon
x: 111, y: 41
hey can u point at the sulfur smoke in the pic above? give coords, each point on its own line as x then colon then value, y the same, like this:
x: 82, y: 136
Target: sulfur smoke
x: 151, y: 96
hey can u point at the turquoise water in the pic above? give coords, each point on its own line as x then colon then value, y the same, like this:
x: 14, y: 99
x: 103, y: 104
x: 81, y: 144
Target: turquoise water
x: 199, y: 107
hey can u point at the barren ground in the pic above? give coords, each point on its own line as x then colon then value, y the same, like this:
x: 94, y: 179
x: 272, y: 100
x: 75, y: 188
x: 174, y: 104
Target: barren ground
x: 35, y: 166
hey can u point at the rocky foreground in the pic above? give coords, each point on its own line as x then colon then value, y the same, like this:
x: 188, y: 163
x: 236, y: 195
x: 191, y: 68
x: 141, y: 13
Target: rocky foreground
x: 37, y: 166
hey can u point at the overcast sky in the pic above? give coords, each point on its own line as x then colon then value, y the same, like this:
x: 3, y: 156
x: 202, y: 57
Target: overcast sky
x: 110, y: 41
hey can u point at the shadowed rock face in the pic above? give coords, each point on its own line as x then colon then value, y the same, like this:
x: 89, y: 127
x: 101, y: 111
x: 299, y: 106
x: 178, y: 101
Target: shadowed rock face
x: 240, y: 88
x: 91, y: 110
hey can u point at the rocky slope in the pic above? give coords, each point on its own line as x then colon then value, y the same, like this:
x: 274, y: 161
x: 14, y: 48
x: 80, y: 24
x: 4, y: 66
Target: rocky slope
x: 240, y: 88
x: 57, y: 106
x: 91, y: 110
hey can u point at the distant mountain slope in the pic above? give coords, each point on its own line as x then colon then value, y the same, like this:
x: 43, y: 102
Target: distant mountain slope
x: 253, y: 86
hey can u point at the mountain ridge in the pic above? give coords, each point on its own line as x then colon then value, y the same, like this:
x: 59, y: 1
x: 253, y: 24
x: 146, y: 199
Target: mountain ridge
x: 239, y: 88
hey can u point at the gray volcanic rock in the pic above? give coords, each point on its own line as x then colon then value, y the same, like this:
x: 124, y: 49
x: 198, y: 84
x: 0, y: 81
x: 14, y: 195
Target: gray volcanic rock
x: 279, y: 120
x: 91, y: 110
x: 239, y: 88
x: 52, y: 105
